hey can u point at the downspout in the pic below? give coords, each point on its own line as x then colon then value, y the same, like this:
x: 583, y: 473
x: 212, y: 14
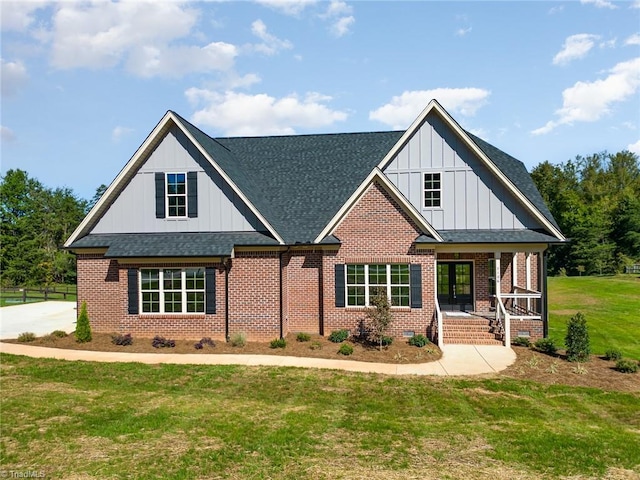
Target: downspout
x: 545, y: 298
x: 226, y: 299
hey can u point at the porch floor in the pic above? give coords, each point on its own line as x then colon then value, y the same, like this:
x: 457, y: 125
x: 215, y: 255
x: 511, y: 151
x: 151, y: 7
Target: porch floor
x: 469, y: 328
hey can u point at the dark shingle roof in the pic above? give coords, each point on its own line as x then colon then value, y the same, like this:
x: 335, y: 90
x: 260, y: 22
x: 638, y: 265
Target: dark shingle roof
x: 122, y: 245
x: 515, y: 171
x: 496, y: 236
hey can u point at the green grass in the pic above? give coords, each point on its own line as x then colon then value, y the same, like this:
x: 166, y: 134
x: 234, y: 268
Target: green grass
x: 611, y: 305
x: 9, y: 297
x: 94, y: 420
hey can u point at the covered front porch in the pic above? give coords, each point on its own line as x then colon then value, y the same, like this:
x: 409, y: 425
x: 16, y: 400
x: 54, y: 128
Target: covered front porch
x: 489, y: 295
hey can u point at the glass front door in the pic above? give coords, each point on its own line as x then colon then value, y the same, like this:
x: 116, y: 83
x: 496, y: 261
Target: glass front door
x: 455, y: 286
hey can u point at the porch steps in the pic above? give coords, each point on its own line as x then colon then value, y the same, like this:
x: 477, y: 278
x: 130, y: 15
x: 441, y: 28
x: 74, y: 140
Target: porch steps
x: 468, y: 330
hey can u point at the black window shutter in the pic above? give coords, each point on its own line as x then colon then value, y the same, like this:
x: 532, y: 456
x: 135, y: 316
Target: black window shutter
x: 210, y: 285
x: 340, y: 285
x: 160, y: 195
x: 415, y: 272
x: 192, y: 194
x: 132, y: 290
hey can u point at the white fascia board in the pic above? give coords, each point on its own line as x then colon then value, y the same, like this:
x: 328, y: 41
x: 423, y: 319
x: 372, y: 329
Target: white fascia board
x: 448, y: 119
x: 377, y: 174
x: 150, y: 141
x: 226, y: 177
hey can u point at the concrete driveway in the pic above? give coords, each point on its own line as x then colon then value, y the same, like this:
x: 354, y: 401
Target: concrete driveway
x: 39, y: 318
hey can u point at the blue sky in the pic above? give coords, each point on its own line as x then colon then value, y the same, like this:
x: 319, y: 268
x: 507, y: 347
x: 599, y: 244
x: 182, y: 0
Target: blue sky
x: 83, y: 83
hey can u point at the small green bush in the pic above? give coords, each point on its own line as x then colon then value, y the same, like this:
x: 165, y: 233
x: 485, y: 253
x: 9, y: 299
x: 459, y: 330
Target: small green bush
x: 83, y: 327
x: 386, y: 341
x: 315, y: 345
x: 418, y: 341
x: 521, y: 342
x: 278, y: 343
x: 238, y: 339
x: 345, y: 349
x: 612, y: 354
x: 625, y: 365
x: 59, y: 333
x: 303, y: 337
x: 26, y: 337
x: 546, y: 345
x: 577, y: 339
x: 339, y: 336
x: 122, y: 340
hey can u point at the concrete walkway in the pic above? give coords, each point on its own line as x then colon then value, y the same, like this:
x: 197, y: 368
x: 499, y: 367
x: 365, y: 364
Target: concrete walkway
x: 456, y: 359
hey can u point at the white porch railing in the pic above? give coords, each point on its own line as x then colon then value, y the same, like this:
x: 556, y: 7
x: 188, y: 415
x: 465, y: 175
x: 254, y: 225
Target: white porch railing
x: 521, y: 304
x: 438, y: 314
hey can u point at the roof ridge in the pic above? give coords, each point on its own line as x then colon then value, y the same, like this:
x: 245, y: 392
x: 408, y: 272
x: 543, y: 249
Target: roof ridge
x: 188, y: 123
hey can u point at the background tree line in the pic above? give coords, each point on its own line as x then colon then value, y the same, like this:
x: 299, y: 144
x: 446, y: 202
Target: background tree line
x: 35, y: 223
x: 594, y: 199
x: 596, y: 202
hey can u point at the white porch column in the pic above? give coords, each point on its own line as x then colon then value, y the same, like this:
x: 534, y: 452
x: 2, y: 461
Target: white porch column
x: 514, y: 270
x: 507, y: 320
x: 528, y: 280
x: 435, y: 290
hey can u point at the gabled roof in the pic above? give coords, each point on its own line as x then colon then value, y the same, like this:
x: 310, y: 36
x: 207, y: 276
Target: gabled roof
x: 300, y: 186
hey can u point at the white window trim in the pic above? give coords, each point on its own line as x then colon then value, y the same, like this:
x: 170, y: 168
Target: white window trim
x: 183, y: 290
x: 424, y: 191
x: 167, y: 194
x: 366, y: 285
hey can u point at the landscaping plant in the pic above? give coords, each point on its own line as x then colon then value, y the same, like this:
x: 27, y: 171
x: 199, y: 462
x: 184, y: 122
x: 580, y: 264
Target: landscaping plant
x: 339, y: 336
x: 345, y: 349
x: 379, y: 318
x: 83, y: 327
x: 418, y: 341
x: 26, y: 337
x: 546, y: 345
x: 577, y: 339
x: 278, y: 343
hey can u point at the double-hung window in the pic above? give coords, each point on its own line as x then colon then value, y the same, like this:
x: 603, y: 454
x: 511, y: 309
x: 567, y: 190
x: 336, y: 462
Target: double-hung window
x: 365, y: 281
x: 172, y: 290
x: 432, y: 190
x: 177, y: 194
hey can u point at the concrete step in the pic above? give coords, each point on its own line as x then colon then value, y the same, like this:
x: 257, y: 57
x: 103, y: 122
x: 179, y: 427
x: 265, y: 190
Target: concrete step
x: 465, y: 341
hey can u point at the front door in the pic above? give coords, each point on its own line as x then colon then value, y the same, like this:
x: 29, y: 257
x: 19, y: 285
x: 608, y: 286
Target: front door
x: 455, y: 286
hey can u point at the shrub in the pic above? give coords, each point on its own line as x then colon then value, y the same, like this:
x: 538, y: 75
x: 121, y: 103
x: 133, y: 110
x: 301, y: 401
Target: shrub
x: 345, y: 349
x: 546, y: 345
x: 26, y: 337
x: 339, y: 336
x: 59, y: 333
x: 315, y: 345
x: 625, y: 365
x: 418, y: 341
x: 122, y: 340
x: 303, y: 337
x: 385, y: 341
x: 612, y: 354
x: 577, y: 339
x: 379, y: 318
x: 238, y: 339
x: 521, y: 342
x: 161, y: 342
x: 278, y: 343
x: 207, y: 341
x: 198, y: 345
x: 83, y: 327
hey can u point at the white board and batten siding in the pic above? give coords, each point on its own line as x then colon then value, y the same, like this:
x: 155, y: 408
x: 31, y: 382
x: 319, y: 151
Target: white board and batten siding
x: 472, y: 197
x: 219, y: 208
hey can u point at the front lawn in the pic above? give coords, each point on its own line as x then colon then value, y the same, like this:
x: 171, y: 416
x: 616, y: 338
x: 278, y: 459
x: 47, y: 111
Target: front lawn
x: 611, y: 305
x: 93, y: 420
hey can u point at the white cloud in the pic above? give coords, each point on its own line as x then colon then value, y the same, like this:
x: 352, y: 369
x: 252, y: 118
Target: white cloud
x: 461, y: 32
x: 6, y: 134
x: 634, y: 147
x: 139, y: 34
x: 271, y: 44
x: 635, y: 4
x: 339, y: 14
x: 599, y: 3
x: 633, y: 39
x: 575, y: 47
x: 288, y: 7
x: 554, y: 10
x: 119, y: 132
x: 403, y: 109
x: 19, y: 15
x: 249, y: 115
x: 14, y: 77
x: 589, y: 101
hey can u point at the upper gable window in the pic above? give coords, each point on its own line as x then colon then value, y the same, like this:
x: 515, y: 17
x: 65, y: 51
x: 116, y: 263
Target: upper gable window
x: 432, y: 190
x: 177, y: 194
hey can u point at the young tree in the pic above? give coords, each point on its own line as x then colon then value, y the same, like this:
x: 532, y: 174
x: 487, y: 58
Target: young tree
x: 379, y: 317
x: 577, y: 339
x: 83, y: 327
